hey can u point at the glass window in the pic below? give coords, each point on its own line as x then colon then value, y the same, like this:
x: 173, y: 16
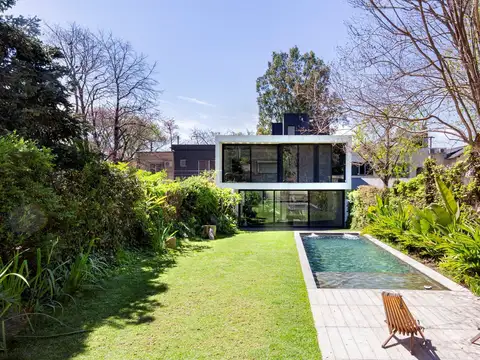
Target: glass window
x: 291, y: 130
x: 257, y: 208
x: 355, y: 169
x: 326, y: 208
x: 264, y: 163
x: 236, y: 163
x: 306, y: 165
x: 324, y: 163
x: 290, y: 163
x: 291, y: 208
x: 183, y: 163
x: 338, y: 163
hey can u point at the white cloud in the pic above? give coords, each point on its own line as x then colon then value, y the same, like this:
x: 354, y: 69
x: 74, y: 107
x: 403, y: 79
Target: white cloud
x: 195, y: 101
x: 203, y: 116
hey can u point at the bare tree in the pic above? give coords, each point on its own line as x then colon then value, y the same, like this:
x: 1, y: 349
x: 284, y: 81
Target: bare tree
x: 132, y: 91
x: 421, y: 56
x: 136, y: 133
x: 199, y: 136
x: 170, y: 127
x: 85, y: 60
x: 113, y: 86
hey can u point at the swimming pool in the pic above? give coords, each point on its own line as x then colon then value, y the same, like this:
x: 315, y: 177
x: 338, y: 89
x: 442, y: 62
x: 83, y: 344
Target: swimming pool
x: 351, y: 261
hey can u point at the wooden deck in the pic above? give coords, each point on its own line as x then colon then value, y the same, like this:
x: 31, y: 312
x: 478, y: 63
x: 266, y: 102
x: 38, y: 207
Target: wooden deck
x: 351, y: 322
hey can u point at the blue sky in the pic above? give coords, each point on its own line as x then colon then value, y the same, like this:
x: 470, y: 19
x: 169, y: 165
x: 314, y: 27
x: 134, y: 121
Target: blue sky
x: 209, y: 52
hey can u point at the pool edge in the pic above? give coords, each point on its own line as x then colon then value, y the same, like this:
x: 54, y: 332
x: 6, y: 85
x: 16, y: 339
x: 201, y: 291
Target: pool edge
x: 310, y: 282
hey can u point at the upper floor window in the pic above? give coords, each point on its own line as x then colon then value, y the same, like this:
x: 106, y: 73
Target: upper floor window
x: 364, y: 169
x: 183, y: 162
x: 295, y: 163
x: 291, y: 130
x: 236, y: 163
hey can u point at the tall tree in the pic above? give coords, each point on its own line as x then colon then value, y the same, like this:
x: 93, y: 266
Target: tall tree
x: 85, y: 59
x: 33, y: 101
x: 385, y: 146
x: 296, y: 83
x: 422, y: 56
x: 114, y: 89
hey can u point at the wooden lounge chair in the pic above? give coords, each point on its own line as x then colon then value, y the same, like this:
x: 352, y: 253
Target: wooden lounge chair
x: 476, y: 337
x: 400, y: 319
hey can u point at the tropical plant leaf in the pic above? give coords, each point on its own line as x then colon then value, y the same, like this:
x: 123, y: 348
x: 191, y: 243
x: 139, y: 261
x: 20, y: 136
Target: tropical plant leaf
x: 448, y: 199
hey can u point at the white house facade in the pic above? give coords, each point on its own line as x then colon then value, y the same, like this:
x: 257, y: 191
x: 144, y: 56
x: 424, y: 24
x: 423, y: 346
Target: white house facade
x: 286, y: 180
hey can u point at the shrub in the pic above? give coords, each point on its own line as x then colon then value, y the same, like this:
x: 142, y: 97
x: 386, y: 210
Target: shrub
x: 360, y: 201
x: 29, y: 205
x: 104, y: 202
x: 188, y: 204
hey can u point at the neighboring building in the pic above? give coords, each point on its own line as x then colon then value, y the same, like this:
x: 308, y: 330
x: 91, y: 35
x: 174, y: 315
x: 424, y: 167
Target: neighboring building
x: 155, y: 161
x: 192, y: 159
x: 362, y: 173
x: 287, y: 180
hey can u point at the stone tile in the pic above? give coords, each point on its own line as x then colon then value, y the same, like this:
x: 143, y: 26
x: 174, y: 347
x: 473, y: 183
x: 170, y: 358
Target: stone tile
x: 337, y: 343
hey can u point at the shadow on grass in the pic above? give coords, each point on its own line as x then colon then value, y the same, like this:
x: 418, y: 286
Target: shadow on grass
x: 124, y: 300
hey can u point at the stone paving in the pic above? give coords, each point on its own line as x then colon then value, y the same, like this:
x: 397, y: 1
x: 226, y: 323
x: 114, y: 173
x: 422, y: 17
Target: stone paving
x: 350, y: 322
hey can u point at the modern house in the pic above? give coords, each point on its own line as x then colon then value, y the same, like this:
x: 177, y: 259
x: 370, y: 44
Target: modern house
x: 155, y: 161
x: 290, y: 178
x: 189, y: 159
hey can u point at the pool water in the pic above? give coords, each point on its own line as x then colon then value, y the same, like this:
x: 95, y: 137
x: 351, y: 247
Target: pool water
x: 351, y: 261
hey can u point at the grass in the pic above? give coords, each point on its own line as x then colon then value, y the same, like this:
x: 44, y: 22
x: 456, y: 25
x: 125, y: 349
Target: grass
x: 237, y: 298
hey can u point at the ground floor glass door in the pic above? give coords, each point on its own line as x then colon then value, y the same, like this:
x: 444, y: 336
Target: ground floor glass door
x: 295, y: 208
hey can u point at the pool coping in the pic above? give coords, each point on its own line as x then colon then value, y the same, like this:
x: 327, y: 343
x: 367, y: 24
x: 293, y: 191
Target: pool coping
x: 310, y: 281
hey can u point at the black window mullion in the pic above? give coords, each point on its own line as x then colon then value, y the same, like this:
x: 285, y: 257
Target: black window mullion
x: 250, y: 148
x: 308, y: 208
x: 298, y: 163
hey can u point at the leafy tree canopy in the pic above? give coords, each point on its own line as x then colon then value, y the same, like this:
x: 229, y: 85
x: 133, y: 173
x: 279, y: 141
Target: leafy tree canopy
x: 33, y: 101
x: 296, y: 83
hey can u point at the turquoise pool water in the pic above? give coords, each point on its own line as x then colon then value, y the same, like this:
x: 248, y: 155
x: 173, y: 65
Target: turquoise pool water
x: 351, y: 261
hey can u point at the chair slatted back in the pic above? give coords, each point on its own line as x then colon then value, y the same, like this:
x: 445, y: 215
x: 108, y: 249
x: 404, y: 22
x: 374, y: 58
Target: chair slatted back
x: 399, y: 317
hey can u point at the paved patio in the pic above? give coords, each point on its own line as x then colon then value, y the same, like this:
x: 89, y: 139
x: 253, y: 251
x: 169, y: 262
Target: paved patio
x: 350, y: 322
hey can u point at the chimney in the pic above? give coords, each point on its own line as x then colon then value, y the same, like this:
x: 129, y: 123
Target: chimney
x: 178, y: 139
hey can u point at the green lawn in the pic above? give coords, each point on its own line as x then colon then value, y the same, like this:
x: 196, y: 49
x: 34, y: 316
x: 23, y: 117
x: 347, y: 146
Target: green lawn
x: 237, y: 298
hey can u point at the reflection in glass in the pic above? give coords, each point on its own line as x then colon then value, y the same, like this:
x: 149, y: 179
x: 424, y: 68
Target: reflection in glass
x: 291, y: 208
x: 256, y: 208
x: 325, y: 162
x: 236, y: 160
x: 264, y: 163
x: 338, y: 163
x: 326, y: 208
x: 306, y: 163
x: 290, y: 163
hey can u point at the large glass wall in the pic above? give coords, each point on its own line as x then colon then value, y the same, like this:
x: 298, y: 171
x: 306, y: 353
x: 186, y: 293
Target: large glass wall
x: 292, y: 163
x: 338, y: 163
x: 306, y: 166
x: 264, y: 163
x: 326, y: 208
x: 292, y: 208
x: 325, y: 163
x: 236, y: 163
x: 257, y: 208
